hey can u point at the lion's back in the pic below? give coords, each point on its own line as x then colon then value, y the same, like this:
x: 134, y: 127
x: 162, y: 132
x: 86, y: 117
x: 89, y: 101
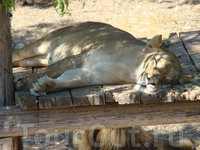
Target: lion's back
x: 90, y: 36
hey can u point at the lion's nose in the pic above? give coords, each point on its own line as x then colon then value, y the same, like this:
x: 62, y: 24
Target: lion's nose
x: 150, y: 81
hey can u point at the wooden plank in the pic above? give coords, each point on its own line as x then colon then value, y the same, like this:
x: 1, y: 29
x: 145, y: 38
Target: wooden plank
x: 108, y: 92
x: 6, y: 144
x: 6, y: 82
x: 54, y: 100
x: 190, y: 36
x: 191, y: 41
x: 84, y: 96
x: 150, y: 98
x: 194, y: 51
x: 180, y: 93
x: 25, y: 100
x: 123, y: 94
x: 191, y: 93
x: 166, y: 95
x: 15, y: 121
x: 184, y: 58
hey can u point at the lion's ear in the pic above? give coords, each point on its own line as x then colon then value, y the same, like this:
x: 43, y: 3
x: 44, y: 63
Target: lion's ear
x: 186, y: 78
x: 155, y: 42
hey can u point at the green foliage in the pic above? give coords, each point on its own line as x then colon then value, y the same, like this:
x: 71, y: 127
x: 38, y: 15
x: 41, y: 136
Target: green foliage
x: 166, y: 43
x: 194, y: 69
x: 187, y: 85
x: 7, y: 4
x: 61, y: 6
x: 197, y: 76
x: 178, y: 55
x: 184, y: 63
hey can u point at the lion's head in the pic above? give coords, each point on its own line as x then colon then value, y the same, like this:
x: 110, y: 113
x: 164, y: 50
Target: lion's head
x: 160, y: 68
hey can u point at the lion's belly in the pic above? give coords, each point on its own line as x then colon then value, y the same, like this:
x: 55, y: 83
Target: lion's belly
x: 110, y: 69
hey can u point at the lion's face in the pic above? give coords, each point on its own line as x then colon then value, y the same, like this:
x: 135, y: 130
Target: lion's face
x: 160, y: 68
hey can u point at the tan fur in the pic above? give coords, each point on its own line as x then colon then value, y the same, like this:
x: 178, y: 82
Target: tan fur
x: 96, y: 53
x: 129, y: 139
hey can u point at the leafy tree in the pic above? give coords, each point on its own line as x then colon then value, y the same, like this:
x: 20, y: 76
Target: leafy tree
x: 7, y: 4
x: 61, y: 6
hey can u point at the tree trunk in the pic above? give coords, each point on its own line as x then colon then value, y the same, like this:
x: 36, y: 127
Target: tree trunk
x: 6, y: 81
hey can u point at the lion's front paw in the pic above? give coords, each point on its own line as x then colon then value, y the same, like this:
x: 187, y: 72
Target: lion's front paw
x: 19, y: 81
x: 39, y: 87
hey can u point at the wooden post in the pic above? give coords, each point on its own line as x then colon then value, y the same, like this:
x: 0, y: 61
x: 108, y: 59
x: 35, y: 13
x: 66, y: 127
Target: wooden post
x: 6, y: 79
x: 17, y: 143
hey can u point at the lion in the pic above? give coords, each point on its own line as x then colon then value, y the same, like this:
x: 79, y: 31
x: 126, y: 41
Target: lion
x: 131, y: 138
x: 94, y: 53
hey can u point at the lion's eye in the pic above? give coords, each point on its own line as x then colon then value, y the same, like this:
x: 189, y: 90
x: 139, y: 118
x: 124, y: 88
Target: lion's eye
x: 155, y: 61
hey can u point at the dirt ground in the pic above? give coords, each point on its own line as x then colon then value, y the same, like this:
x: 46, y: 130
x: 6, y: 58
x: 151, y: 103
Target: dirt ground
x: 141, y: 18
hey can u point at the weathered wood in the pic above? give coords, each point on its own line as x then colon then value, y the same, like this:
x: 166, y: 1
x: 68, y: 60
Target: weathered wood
x: 13, y: 143
x: 25, y: 100
x: 191, y: 42
x: 123, y: 94
x: 182, y: 93
x: 6, y: 83
x: 108, y: 94
x: 150, y: 98
x: 166, y: 95
x: 84, y: 96
x: 17, y: 143
x: 53, y: 100
x: 14, y: 121
x: 190, y: 36
x: 6, y: 144
x: 184, y: 58
x: 6, y: 78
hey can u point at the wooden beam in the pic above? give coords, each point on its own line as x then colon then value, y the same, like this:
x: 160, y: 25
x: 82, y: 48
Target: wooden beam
x: 16, y: 122
x: 6, y: 78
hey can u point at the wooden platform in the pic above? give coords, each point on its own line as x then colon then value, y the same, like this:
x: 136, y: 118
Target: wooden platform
x: 108, y: 106
x: 187, y: 49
